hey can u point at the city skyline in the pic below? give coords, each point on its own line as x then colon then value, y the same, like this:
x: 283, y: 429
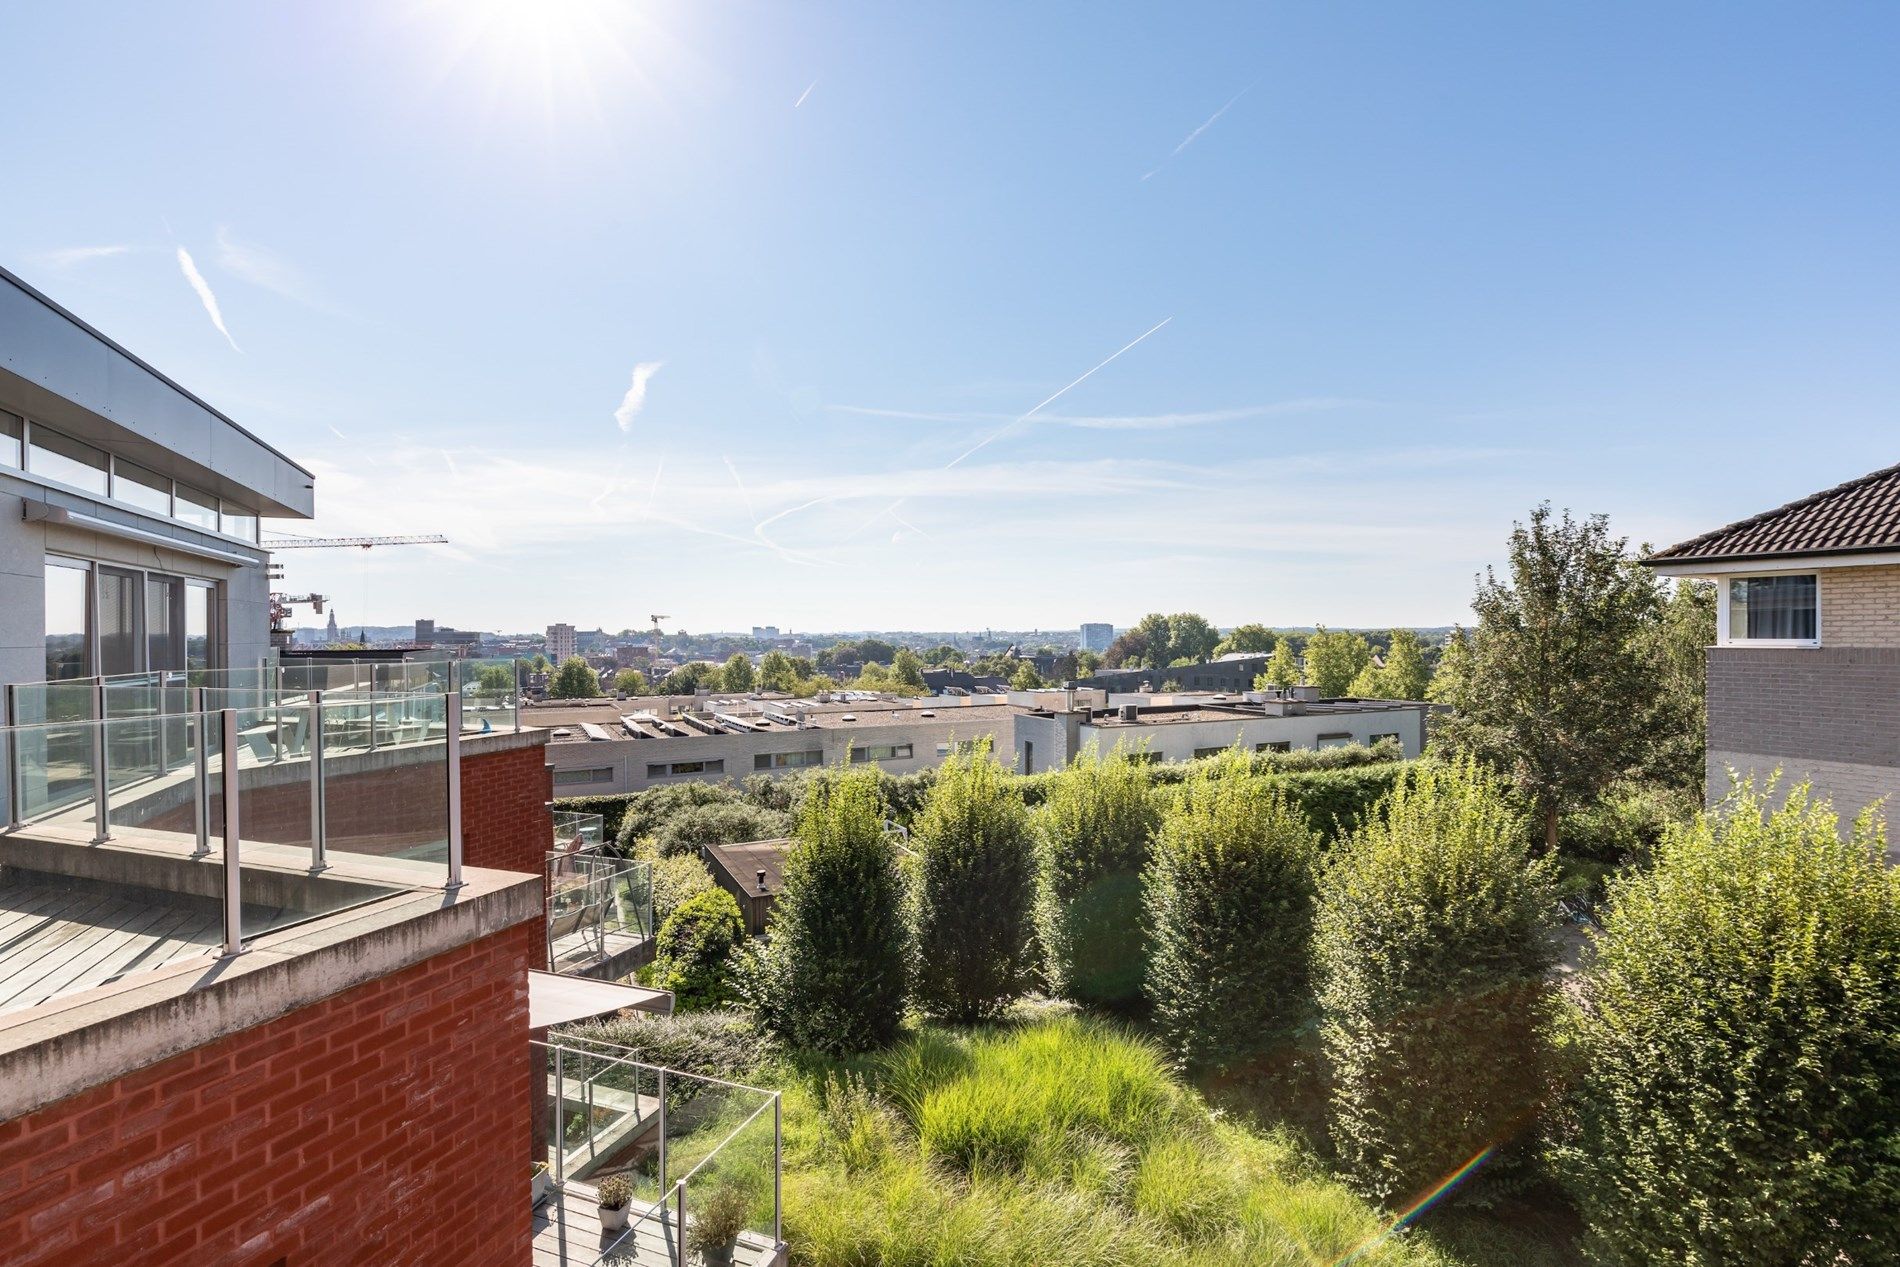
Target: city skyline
x: 879, y: 320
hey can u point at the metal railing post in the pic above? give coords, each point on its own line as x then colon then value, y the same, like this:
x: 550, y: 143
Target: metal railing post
x: 778, y: 1171
x: 200, y: 772
x: 233, y: 876
x: 319, y: 831
x: 679, y: 1231
x: 558, y: 1118
x: 662, y: 1149
x: 514, y: 688
x: 11, y: 698
x: 101, y: 810
x: 452, y: 712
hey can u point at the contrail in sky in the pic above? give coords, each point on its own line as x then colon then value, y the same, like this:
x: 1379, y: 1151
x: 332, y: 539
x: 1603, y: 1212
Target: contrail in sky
x: 1195, y: 135
x: 804, y: 94
x: 205, y: 297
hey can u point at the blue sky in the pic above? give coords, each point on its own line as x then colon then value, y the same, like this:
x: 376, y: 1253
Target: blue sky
x: 872, y: 316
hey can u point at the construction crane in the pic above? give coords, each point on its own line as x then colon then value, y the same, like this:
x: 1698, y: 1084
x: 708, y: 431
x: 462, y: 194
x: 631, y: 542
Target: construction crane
x: 334, y: 543
x: 657, y: 631
x: 280, y: 604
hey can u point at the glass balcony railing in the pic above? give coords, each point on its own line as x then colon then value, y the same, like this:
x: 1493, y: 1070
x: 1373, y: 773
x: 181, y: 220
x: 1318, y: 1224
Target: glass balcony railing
x: 679, y: 1141
x: 162, y: 831
x: 599, y: 905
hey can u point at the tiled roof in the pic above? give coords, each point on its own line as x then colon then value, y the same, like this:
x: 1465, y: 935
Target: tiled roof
x: 1862, y: 514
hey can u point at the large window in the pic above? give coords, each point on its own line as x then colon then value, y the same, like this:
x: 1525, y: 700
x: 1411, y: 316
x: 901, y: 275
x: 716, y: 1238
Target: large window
x: 882, y: 752
x: 164, y: 622
x: 52, y: 456
x: 571, y: 778
x: 198, y: 640
x: 136, y: 486
x: 67, y: 646
x: 1774, y: 609
x: 196, y: 508
x: 119, y: 611
x: 787, y: 760
x: 11, y: 430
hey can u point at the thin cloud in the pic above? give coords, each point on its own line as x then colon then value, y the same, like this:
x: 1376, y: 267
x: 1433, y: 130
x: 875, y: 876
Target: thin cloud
x: 804, y: 94
x: 1195, y: 135
x: 1123, y: 422
x: 260, y: 267
x: 205, y: 297
x: 636, y: 398
x: 67, y: 256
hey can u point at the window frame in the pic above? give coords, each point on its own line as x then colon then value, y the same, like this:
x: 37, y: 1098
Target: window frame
x: 1724, y: 635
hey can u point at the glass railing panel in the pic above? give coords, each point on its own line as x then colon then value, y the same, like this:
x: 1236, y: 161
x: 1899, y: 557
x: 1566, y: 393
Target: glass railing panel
x: 599, y: 1116
x: 54, y: 765
x: 385, y: 776
x: 740, y: 1169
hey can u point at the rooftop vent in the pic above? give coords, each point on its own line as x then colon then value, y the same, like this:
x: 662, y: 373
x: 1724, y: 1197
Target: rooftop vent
x: 1131, y: 712
x: 849, y: 717
x: 928, y: 712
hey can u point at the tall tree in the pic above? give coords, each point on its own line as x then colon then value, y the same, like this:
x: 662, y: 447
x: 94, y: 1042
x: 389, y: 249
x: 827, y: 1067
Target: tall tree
x: 1334, y: 659
x: 630, y: 682
x: 1677, y: 648
x: 1405, y: 675
x: 1128, y: 651
x: 1246, y: 639
x: 737, y: 675
x: 1026, y: 678
x: 1283, y: 667
x: 574, y: 680
x: 1453, y: 671
x: 692, y: 676
x: 975, y: 890
x: 1191, y: 638
x: 1561, y: 691
x: 777, y: 672
x: 907, y: 669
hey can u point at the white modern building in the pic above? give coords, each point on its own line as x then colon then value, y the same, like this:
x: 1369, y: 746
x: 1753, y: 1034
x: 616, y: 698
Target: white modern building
x: 129, y: 509
x: 563, y: 642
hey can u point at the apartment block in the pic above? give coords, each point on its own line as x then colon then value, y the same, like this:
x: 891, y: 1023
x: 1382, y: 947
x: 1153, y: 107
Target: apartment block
x: 1804, y: 676
x: 563, y: 642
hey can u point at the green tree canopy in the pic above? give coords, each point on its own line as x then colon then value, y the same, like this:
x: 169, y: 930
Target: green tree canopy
x: 1025, y: 678
x: 695, y: 675
x: 906, y: 669
x: 574, y: 680
x: 1248, y: 639
x: 1739, y: 1046
x: 630, y: 682
x: 975, y: 890
x: 1283, y: 667
x: 1562, y: 689
x: 943, y: 656
x: 1334, y: 659
x: 1191, y: 637
x: 693, y: 952
x: 1450, y: 679
x: 776, y: 672
x: 737, y: 676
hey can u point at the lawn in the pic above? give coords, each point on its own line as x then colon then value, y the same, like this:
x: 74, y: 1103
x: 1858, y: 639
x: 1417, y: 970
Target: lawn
x: 1064, y: 1140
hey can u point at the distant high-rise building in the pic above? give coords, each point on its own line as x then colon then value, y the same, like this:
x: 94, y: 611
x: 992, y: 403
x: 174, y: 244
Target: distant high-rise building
x: 1097, y: 637
x: 425, y: 633
x: 561, y: 642
x: 765, y: 631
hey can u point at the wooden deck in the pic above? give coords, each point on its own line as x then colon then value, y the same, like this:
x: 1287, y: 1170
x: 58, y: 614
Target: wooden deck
x: 55, y: 939
x: 567, y: 1233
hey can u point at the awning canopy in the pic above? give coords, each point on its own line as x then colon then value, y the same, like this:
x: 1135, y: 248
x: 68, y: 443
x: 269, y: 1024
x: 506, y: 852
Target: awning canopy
x: 557, y: 1000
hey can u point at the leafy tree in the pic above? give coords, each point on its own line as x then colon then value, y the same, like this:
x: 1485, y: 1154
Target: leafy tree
x: 975, y: 884
x: 776, y: 672
x: 1739, y: 1090
x: 541, y: 664
x: 1230, y: 902
x: 1451, y: 678
x: 693, y: 952
x: 1094, y: 834
x: 1248, y: 639
x: 1191, y: 638
x: 695, y: 675
x: 1155, y: 640
x: 630, y: 682
x: 906, y: 669
x: 1334, y: 659
x: 1404, y: 675
x: 718, y: 823
x: 737, y: 676
x: 834, y: 977
x: 574, y: 680
x: 1560, y: 691
x: 943, y: 656
x: 1086, y: 663
x: 1676, y: 647
x: 1432, y: 950
x: 1025, y: 678
x: 1129, y: 651
x: 876, y: 651
x: 1283, y: 667
x: 494, y: 679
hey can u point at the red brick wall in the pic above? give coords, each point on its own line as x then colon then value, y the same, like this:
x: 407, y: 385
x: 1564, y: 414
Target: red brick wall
x: 384, y: 1125
x: 506, y: 822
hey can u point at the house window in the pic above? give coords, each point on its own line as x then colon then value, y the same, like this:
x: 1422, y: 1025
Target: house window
x: 668, y: 770
x: 881, y: 752
x: 136, y: 486
x: 571, y: 778
x: 68, y: 647
x: 1774, y: 609
x: 1336, y: 739
x: 1274, y: 745
x: 787, y: 760
x: 197, y: 509
x: 1393, y: 735
x: 11, y: 429
x: 1208, y: 752
x: 1145, y: 756
x: 52, y: 456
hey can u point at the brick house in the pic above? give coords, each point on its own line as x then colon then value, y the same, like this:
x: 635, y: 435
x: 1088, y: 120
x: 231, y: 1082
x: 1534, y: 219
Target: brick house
x: 1804, y: 675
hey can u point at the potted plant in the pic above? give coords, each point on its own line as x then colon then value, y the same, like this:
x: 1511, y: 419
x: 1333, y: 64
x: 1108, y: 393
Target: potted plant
x: 616, y: 1202
x: 712, y: 1229
x: 538, y: 1181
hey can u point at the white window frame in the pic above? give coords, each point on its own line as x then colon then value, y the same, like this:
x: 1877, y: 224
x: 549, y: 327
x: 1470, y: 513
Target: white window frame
x: 1723, y: 636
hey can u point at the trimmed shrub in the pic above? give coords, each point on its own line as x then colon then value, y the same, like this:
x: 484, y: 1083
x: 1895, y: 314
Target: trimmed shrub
x: 975, y: 885
x: 1094, y: 833
x: 646, y: 812
x: 693, y: 953
x: 676, y: 881
x: 1337, y: 800
x: 1230, y: 906
x: 834, y: 977
x: 1432, y: 945
x: 718, y: 823
x: 1739, y: 1046
x: 720, y: 1044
